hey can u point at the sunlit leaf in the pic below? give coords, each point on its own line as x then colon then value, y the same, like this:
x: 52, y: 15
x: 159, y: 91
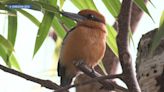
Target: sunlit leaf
x: 43, y: 30
x: 162, y: 19
x: 61, y: 3
x: 159, y: 34
x: 111, y: 39
x: 142, y: 6
x: 101, y: 65
x: 12, y: 27
x: 6, y: 44
x: 84, y: 4
x: 13, y: 61
x: 6, y: 49
x: 59, y: 30
x: 67, y: 22
x: 35, y: 5
x: 53, y: 2
x: 4, y: 55
x: 29, y: 16
x: 113, y: 6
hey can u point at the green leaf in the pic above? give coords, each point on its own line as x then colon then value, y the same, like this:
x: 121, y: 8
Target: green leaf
x: 35, y: 5
x: 43, y: 30
x: 78, y: 4
x: 61, y: 3
x: 4, y: 55
x: 6, y: 49
x: 13, y: 61
x: 90, y: 4
x: 101, y: 65
x: 111, y: 39
x: 113, y: 6
x: 159, y: 34
x: 12, y: 27
x: 84, y: 4
x: 59, y: 30
x: 142, y: 6
x: 68, y: 22
x: 29, y: 16
x: 6, y: 44
x: 162, y: 19
x: 53, y: 2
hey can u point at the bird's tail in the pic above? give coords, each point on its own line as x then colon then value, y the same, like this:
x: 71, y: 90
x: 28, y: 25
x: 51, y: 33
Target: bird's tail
x: 65, y: 81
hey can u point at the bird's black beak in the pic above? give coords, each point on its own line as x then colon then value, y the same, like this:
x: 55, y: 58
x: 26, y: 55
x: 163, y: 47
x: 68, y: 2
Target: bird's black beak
x: 73, y: 16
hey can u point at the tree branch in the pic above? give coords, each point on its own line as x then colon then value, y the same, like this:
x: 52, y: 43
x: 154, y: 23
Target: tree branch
x: 122, y: 42
x: 107, y: 84
x: 44, y: 83
x: 93, y: 80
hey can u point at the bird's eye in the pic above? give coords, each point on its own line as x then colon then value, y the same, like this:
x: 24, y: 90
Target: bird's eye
x: 91, y: 16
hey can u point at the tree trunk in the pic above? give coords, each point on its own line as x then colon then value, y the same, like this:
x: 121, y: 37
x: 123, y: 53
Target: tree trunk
x: 150, y: 68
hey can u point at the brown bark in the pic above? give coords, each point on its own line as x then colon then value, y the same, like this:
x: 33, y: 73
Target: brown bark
x: 150, y: 68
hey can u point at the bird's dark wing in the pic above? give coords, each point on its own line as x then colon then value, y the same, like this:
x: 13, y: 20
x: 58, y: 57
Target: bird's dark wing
x: 61, y: 68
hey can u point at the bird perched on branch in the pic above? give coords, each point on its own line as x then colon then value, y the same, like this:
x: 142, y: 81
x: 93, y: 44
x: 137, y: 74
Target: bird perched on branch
x: 86, y: 41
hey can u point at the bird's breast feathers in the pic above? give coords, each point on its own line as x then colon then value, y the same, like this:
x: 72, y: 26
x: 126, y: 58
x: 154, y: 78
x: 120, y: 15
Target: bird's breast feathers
x: 84, y: 43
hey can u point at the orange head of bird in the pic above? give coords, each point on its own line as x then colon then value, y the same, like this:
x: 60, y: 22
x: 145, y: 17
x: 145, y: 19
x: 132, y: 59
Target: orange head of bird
x: 87, y: 17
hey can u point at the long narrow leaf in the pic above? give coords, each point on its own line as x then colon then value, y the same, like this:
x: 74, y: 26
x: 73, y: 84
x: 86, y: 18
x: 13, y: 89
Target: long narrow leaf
x: 143, y: 7
x: 12, y: 27
x: 68, y: 22
x: 90, y: 4
x: 78, y: 4
x: 84, y: 4
x: 4, y: 54
x: 53, y: 2
x: 159, y: 34
x: 13, y: 61
x: 6, y: 44
x: 59, y: 30
x: 6, y: 49
x: 29, y: 16
x: 111, y: 39
x: 43, y: 30
x: 113, y: 6
x: 61, y: 3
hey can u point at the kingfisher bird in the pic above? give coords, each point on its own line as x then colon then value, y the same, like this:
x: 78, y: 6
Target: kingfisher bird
x: 86, y: 41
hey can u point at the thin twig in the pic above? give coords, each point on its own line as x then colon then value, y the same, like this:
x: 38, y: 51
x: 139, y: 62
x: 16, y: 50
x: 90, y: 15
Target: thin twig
x: 44, y: 83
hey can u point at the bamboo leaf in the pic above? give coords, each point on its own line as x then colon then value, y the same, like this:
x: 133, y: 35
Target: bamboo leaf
x: 12, y: 27
x: 43, y: 30
x: 113, y: 6
x: 59, y: 30
x: 68, y: 22
x: 78, y: 4
x: 6, y: 49
x: 84, y: 4
x: 90, y: 4
x: 53, y: 2
x: 13, y: 61
x: 142, y: 6
x: 159, y: 34
x: 111, y: 39
x: 6, y: 44
x: 61, y: 3
x: 29, y: 16
x: 4, y: 55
